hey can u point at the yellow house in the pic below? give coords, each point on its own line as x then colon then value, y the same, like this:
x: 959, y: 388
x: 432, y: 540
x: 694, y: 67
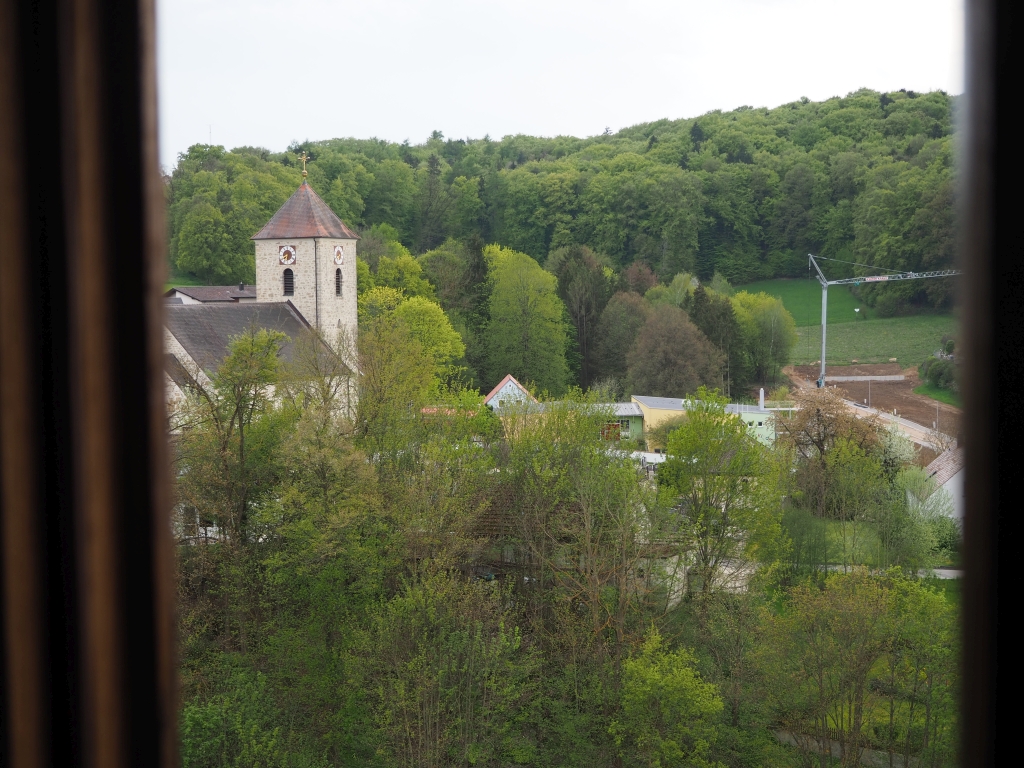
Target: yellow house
x: 658, y: 410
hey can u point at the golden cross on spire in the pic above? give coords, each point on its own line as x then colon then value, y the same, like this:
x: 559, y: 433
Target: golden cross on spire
x: 304, y: 158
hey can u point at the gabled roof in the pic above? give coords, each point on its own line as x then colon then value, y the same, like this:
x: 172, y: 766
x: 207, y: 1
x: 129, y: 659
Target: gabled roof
x: 946, y: 465
x: 205, y: 330
x: 304, y: 214
x: 501, y: 384
x: 208, y: 293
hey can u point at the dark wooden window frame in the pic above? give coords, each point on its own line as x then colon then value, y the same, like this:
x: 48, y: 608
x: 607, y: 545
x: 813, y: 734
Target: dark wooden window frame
x: 288, y: 278
x: 88, y: 592
x: 337, y: 282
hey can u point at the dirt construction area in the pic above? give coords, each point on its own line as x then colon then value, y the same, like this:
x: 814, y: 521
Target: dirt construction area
x: 884, y: 395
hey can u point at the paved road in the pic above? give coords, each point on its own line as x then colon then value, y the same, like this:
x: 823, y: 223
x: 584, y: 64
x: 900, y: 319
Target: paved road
x: 916, y: 432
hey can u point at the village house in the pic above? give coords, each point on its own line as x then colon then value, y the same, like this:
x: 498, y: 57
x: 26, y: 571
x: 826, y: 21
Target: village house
x: 633, y: 419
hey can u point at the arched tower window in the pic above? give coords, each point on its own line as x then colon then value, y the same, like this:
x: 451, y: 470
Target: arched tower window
x: 289, y: 283
x: 337, y: 282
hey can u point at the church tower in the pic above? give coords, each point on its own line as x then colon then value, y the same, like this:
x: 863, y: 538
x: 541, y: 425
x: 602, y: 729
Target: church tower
x: 307, y: 255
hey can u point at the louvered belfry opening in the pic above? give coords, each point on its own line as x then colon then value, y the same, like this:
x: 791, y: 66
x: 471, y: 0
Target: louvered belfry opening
x: 337, y: 282
x: 289, y: 283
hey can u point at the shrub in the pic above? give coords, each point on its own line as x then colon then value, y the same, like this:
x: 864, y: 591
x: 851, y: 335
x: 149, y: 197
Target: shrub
x: 942, y: 374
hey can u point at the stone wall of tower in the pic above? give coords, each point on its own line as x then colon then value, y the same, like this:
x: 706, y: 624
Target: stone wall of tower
x: 314, y: 271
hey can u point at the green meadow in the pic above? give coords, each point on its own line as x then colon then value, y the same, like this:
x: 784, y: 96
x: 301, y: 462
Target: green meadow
x: 861, y: 336
x: 909, y: 339
x: 803, y: 300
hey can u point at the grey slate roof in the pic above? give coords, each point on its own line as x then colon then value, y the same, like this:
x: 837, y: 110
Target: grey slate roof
x: 946, y: 465
x: 204, y: 330
x: 208, y: 293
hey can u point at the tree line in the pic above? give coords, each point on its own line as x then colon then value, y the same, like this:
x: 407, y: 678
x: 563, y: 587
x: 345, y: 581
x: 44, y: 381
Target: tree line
x: 865, y: 178
x: 410, y: 579
x: 575, y: 321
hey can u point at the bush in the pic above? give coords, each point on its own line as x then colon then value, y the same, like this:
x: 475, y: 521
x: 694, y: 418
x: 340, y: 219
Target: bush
x: 890, y: 305
x: 947, y: 534
x: 942, y: 374
x: 939, y: 373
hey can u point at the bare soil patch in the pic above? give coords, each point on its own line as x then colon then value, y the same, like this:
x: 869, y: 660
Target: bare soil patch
x: 885, y: 395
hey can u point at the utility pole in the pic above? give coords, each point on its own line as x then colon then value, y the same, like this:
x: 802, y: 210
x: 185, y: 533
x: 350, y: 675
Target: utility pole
x: 825, y: 283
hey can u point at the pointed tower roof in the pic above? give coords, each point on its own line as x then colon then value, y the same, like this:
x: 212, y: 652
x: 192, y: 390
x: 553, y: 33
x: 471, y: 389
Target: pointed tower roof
x: 304, y: 214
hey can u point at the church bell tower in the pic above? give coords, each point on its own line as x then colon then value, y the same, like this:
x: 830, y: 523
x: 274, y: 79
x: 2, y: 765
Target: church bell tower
x: 307, y: 255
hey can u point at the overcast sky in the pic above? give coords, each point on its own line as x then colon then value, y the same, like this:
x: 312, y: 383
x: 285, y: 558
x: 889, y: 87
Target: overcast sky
x: 268, y: 72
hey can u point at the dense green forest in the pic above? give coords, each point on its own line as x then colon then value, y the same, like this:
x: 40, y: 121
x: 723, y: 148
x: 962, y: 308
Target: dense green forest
x: 748, y: 193
x: 415, y: 580
x: 379, y: 570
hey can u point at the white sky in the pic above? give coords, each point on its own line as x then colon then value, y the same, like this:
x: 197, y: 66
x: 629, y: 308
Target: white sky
x: 267, y: 72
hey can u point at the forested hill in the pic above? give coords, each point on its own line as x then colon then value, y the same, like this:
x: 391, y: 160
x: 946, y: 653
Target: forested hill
x: 747, y: 193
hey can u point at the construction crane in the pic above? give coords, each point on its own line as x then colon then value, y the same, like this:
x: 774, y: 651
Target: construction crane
x: 857, y: 281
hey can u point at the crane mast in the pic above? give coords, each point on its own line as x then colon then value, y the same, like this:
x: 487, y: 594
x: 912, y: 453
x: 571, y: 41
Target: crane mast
x: 825, y: 283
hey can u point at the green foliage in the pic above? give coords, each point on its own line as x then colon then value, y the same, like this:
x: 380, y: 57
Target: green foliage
x: 802, y: 299
x: 584, y: 286
x: 379, y: 570
x: 942, y: 395
x: 617, y: 329
x: 744, y: 194
x: 874, y: 341
x: 238, y: 728
x: 671, y: 357
x: 940, y: 374
x: 867, y: 661
x: 724, y: 485
x: 218, y: 200
x: 767, y: 335
x: 668, y: 712
x: 526, y: 334
x: 409, y: 579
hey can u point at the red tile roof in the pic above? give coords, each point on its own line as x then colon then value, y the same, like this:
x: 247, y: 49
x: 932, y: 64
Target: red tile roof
x: 304, y: 214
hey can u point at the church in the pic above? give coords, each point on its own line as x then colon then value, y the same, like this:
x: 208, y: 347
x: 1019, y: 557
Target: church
x: 305, y: 279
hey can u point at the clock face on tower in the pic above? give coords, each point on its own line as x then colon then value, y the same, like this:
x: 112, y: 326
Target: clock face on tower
x: 339, y: 254
x: 287, y: 254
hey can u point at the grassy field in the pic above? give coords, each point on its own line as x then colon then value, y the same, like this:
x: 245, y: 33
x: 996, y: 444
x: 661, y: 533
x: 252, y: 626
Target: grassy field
x: 803, y: 300
x: 942, y: 395
x: 174, y: 280
x: 909, y: 339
